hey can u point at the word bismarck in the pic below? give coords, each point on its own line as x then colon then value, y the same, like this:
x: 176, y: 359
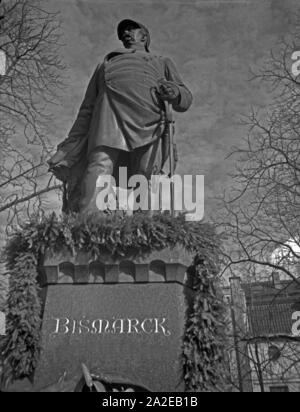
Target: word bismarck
x: 148, y: 326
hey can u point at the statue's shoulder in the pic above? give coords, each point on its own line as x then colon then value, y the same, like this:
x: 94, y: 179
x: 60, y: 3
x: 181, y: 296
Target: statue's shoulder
x: 163, y: 59
x: 157, y: 56
x: 112, y: 54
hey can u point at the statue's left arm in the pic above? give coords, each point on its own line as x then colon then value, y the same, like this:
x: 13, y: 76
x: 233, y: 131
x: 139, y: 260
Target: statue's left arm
x: 185, y: 98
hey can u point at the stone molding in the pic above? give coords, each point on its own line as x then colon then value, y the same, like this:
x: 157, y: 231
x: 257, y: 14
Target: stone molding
x: 168, y: 265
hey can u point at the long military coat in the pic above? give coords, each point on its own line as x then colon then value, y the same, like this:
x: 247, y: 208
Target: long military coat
x: 121, y: 108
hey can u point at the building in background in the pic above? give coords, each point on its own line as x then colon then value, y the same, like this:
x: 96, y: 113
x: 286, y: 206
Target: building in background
x: 265, y: 335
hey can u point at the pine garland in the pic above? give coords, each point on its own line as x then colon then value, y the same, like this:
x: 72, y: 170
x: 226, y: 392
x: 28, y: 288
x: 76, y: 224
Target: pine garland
x: 20, y: 349
x: 119, y: 235
x: 205, y: 338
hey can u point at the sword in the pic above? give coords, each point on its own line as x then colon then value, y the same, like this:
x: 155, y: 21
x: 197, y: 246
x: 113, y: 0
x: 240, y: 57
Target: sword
x: 170, y: 125
x: 169, y: 121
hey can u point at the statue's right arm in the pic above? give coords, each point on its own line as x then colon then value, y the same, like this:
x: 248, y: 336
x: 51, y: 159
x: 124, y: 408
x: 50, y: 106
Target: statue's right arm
x: 81, y: 125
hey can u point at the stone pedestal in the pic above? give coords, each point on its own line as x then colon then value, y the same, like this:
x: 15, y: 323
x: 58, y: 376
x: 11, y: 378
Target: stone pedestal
x: 124, y: 317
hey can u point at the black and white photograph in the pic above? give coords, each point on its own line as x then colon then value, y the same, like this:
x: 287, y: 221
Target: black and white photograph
x: 149, y: 198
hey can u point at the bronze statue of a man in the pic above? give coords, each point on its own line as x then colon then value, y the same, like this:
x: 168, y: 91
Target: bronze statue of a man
x: 121, y: 121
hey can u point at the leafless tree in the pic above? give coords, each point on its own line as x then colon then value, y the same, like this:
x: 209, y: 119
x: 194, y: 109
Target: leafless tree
x: 263, y: 206
x: 30, y: 39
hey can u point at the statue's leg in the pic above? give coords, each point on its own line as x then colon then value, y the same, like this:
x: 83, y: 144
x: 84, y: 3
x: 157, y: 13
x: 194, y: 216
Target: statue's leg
x: 147, y: 161
x: 101, y: 162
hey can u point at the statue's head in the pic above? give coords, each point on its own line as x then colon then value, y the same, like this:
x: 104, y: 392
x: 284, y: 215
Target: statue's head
x: 133, y: 34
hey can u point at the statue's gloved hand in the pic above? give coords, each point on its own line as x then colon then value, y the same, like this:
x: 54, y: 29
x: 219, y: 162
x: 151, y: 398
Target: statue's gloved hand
x: 168, y: 91
x: 57, y: 160
x: 58, y: 165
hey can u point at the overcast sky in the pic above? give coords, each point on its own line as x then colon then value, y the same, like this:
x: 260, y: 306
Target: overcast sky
x: 214, y: 44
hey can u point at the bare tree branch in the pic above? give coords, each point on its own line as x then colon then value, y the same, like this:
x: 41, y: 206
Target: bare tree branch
x: 30, y: 38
